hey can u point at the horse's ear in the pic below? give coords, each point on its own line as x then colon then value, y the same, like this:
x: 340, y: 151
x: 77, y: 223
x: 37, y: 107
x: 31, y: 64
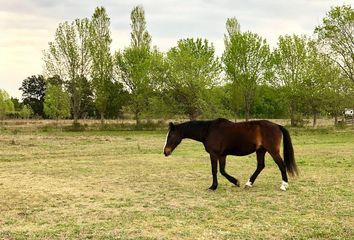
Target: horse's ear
x: 171, y: 126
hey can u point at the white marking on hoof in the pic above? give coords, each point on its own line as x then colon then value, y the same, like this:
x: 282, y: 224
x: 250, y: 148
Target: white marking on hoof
x: 284, y: 185
x: 248, y: 184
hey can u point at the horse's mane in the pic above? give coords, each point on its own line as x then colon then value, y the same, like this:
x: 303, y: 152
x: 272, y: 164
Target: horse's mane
x: 200, y: 129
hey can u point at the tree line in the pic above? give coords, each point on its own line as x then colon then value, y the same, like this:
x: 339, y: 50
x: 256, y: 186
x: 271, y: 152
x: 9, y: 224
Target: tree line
x: 301, y: 77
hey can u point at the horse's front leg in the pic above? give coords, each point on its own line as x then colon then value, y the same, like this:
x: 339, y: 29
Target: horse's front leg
x: 214, y: 171
x: 222, y: 164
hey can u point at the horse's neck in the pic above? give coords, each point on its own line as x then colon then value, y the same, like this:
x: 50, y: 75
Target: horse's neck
x: 196, y: 130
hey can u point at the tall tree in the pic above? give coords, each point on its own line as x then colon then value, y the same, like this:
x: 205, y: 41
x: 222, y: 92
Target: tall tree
x: 102, y: 65
x: 232, y: 28
x: 290, y: 59
x: 33, y: 92
x: 194, y: 68
x: 68, y: 57
x: 247, y: 64
x: 315, y: 82
x: 132, y: 66
x: 336, y: 34
x: 140, y: 37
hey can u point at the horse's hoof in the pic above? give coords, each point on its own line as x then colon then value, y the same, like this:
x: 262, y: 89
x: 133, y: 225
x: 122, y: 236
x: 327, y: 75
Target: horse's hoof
x: 237, y: 184
x: 283, y: 186
x: 212, y: 188
x: 248, y: 184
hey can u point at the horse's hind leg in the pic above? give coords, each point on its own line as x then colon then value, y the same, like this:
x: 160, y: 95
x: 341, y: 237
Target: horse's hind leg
x: 260, y: 166
x: 222, y: 162
x: 279, y: 161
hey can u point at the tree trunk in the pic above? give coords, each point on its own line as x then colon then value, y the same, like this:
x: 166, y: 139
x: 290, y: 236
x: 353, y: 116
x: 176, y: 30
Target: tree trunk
x: 247, y: 115
x: 247, y: 110
x: 335, y: 119
x: 102, y: 118
x: 137, y: 118
x: 292, y: 115
x: 76, y: 119
x: 193, y: 116
x: 314, y: 120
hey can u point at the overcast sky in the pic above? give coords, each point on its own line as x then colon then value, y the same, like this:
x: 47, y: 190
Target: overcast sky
x: 26, y: 26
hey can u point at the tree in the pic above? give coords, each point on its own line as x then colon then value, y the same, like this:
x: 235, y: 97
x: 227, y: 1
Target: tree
x: 315, y: 83
x: 117, y: 96
x: 88, y: 108
x: 56, y: 103
x: 232, y: 28
x: 68, y: 57
x: 132, y: 66
x: 132, y: 69
x: 290, y: 59
x: 336, y: 35
x: 140, y: 37
x: 269, y: 103
x: 33, y: 92
x: 6, y: 105
x: 193, y: 68
x: 26, y: 112
x: 55, y: 80
x: 247, y: 64
x: 102, y: 65
x: 339, y: 91
x: 17, y: 104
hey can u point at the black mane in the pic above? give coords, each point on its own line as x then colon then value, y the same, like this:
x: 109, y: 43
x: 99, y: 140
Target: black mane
x: 197, y: 130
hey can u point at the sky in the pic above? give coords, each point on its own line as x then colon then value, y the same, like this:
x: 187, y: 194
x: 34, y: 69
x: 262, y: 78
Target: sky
x: 26, y: 26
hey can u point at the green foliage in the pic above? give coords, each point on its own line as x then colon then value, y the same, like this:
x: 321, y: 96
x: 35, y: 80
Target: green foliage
x: 6, y: 105
x: 55, y: 80
x: 232, y: 28
x: 26, y: 112
x: 247, y: 64
x: 69, y: 58
x: 33, y: 91
x: 133, y: 65
x: 336, y: 35
x: 269, y: 103
x: 290, y: 67
x: 102, y: 65
x: 88, y: 108
x: 140, y: 37
x: 193, y: 69
x: 56, y: 103
x: 301, y: 76
x: 17, y: 104
x: 132, y: 68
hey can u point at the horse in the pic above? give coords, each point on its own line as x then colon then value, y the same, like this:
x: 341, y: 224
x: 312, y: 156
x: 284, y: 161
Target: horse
x: 222, y: 137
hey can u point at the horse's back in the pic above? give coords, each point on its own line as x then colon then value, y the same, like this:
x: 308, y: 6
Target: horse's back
x: 243, y: 138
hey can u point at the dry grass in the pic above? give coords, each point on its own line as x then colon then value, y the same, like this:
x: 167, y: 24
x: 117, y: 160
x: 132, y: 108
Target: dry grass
x: 40, y: 123
x: 118, y: 185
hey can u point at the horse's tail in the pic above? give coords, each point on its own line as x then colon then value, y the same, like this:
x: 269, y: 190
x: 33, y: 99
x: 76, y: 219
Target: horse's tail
x: 289, y: 158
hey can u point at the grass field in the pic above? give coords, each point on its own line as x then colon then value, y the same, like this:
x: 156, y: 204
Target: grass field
x: 118, y: 185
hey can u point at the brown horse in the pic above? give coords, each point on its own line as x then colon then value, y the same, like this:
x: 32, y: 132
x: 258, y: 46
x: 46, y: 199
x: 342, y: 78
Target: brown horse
x: 222, y: 137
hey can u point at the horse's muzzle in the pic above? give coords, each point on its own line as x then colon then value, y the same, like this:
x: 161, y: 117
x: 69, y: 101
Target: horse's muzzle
x: 167, y: 152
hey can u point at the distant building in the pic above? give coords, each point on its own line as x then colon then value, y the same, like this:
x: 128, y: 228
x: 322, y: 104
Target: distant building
x: 349, y: 112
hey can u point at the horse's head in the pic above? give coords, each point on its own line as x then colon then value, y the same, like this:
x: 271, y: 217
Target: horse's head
x: 173, y: 138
